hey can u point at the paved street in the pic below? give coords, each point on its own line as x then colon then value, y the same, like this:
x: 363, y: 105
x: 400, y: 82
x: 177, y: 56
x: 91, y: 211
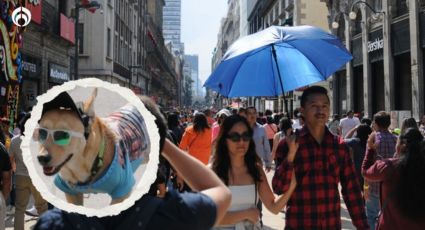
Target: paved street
x: 271, y: 221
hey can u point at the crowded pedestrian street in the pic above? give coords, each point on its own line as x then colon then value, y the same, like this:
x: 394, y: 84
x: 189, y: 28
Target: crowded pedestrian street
x: 215, y: 114
x: 271, y: 221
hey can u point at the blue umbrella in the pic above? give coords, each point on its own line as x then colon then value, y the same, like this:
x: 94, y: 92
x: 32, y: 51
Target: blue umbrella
x: 276, y: 60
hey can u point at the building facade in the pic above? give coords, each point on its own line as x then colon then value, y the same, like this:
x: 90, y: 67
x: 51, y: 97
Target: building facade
x: 193, y: 65
x: 47, y: 49
x: 172, y: 25
x: 111, y: 44
x: 230, y: 31
x: 160, y: 61
x: 386, y: 72
x: 124, y: 44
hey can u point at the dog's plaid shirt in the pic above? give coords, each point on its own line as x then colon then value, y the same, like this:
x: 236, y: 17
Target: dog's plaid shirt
x: 132, y: 149
x: 130, y: 126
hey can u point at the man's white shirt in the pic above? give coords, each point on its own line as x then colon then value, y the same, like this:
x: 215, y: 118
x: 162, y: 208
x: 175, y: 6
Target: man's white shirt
x: 346, y: 124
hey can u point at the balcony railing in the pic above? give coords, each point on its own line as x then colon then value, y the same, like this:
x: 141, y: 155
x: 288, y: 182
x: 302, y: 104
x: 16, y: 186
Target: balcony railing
x: 156, y: 45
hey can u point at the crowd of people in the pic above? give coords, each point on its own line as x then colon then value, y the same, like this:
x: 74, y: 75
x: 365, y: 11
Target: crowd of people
x: 212, y: 172
x: 17, y: 187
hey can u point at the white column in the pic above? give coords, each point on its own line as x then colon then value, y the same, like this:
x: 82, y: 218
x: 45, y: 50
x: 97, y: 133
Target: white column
x: 349, y: 66
x: 416, y: 60
x: 388, y: 59
x: 367, y: 78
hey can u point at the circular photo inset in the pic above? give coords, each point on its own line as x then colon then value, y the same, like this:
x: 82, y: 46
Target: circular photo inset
x: 91, y: 147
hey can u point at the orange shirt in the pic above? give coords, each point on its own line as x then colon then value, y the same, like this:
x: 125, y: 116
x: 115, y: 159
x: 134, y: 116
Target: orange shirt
x: 197, y: 144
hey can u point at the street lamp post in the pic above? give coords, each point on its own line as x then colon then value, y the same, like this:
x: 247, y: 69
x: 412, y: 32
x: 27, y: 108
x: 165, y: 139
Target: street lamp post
x: 353, y: 14
x: 90, y: 5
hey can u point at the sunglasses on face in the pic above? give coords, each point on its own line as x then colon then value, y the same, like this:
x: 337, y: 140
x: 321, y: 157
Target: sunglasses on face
x: 236, y: 137
x: 60, y: 136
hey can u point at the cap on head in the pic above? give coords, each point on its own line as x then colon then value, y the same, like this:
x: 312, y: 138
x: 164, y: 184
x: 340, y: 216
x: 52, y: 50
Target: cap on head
x: 63, y: 101
x: 224, y: 112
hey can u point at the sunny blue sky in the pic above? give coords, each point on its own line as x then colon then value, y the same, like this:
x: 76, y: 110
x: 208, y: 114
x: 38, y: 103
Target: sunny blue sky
x: 200, y: 26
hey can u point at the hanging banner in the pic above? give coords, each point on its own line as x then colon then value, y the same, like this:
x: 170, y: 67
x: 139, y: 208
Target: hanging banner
x: 12, y: 105
x: 13, y: 19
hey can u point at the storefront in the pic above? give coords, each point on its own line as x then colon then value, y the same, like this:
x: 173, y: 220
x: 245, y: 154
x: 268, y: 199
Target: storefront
x: 375, y: 48
x: 31, y: 75
x: 400, y: 42
x: 57, y: 74
x: 358, y: 80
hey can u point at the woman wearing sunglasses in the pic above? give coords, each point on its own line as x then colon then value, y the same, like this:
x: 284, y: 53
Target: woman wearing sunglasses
x: 239, y: 167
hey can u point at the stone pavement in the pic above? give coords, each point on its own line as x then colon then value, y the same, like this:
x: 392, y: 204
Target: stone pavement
x: 29, y: 222
x: 271, y: 221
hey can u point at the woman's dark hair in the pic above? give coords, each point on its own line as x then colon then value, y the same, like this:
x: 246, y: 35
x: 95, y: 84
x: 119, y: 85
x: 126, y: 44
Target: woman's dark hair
x: 221, y: 161
x: 408, y: 123
x: 241, y: 110
x: 410, y: 187
x: 363, y: 132
x: 200, y: 123
x: 270, y: 120
x: 173, y: 120
x: 285, y: 124
x: 159, y: 119
x: 23, y: 121
x: 366, y: 121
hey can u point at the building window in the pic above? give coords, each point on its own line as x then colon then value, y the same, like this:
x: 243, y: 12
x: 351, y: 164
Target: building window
x: 80, y: 38
x: 108, y: 43
x: 401, y: 7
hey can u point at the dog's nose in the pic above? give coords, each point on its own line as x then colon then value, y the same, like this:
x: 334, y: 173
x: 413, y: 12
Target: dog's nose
x: 44, y: 160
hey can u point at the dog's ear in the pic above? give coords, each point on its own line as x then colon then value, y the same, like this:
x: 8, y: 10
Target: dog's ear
x: 88, y: 107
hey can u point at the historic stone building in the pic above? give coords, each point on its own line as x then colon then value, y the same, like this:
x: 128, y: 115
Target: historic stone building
x: 387, y: 40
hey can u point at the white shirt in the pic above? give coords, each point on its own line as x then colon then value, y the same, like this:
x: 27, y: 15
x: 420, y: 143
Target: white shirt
x: 296, y: 124
x: 347, y: 124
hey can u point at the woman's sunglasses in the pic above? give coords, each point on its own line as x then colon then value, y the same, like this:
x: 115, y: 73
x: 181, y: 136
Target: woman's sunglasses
x: 60, y: 136
x: 236, y: 137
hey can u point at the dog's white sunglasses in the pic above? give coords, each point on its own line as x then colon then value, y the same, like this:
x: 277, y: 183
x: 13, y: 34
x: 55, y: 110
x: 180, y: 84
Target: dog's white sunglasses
x: 60, y: 136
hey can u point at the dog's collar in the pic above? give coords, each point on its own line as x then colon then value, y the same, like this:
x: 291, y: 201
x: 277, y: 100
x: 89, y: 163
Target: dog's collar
x: 98, y: 162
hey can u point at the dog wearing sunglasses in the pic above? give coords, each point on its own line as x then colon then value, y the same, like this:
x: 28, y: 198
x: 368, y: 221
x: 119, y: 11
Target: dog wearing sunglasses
x: 90, y: 154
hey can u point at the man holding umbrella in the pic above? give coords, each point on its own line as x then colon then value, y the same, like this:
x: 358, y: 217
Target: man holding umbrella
x: 321, y: 161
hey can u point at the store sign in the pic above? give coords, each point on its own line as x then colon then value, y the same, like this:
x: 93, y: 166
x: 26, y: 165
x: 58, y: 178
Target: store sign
x: 375, y: 45
x: 34, y: 7
x: 67, y: 28
x: 58, y: 73
x: 30, y: 92
x: 31, y: 66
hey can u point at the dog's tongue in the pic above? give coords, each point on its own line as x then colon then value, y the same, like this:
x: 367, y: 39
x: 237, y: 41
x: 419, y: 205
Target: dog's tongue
x: 48, y: 170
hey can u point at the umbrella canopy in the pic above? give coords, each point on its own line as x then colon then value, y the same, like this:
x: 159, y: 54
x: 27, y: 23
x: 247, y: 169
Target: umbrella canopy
x: 276, y: 60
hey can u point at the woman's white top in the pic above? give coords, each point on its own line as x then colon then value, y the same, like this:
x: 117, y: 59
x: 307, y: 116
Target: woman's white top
x: 243, y: 197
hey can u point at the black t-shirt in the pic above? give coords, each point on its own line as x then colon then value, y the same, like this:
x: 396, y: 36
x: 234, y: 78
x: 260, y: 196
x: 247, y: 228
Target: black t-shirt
x: 4, y: 161
x: 175, y: 211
